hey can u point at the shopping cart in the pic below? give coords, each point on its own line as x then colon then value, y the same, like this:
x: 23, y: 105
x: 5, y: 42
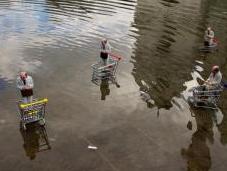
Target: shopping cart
x: 206, y: 98
x: 105, y: 72
x: 32, y: 112
x: 210, y: 48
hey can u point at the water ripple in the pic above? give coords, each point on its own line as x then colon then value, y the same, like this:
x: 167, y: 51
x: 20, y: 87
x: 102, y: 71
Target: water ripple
x: 166, y: 32
x: 59, y: 24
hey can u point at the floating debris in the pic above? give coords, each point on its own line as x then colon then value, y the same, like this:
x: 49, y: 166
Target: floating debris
x: 199, y: 62
x: 146, y: 97
x: 92, y: 147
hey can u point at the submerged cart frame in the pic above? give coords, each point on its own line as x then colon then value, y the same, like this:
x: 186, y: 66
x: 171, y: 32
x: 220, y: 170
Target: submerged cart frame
x: 206, y: 98
x: 105, y: 72
x: 32, y: 112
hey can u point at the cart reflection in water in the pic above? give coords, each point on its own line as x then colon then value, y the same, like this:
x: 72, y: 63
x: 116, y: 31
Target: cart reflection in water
x: 104, y: 89
x: 198, y: 154
x: 35, y: 140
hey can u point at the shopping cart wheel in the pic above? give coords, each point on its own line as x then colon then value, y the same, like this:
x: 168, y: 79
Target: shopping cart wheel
x: 42, y: 122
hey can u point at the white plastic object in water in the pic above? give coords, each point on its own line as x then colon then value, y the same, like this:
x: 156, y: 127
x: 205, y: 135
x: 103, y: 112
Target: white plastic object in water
x: 92, y: 147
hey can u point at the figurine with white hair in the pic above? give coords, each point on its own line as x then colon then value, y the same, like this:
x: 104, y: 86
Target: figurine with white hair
x: 25, y: 85
x: 209, y: 37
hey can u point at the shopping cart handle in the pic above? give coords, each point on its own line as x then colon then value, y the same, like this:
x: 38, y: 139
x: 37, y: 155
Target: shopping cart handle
x: 22, y: 106
x: 115, y: 56
x: 215, y: 40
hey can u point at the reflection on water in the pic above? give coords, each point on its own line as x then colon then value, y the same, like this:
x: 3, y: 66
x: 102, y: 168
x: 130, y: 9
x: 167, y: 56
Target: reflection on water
x: 35, y: 140
x: 57, y: 41
x: 104, y: 89
x: 146, y: 98
x: 57, y: 24
x: 2, y: 84
x: 159, y: 63
x: 166, y: 59
x: 222, y: 127
x: 198, y: 153
x: 169, y: 34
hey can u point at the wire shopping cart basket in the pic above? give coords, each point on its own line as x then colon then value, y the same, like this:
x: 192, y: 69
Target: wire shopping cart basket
x: 105, y: 72
x: 206, y: 98
x: 32, y: 112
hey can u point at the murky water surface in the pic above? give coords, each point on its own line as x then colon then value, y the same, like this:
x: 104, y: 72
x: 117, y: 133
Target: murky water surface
x: 57, y: 41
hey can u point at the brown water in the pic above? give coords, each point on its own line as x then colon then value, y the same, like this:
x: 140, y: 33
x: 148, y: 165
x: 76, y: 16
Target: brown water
x: 57, y: 41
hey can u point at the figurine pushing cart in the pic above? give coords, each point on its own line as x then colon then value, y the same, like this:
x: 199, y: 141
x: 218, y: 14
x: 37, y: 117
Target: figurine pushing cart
x: 208, y: 94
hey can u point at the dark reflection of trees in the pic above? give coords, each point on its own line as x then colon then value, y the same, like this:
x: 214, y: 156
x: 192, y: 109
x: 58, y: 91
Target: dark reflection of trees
x: 4, y: 4
x: 198, y: 153
x: 35, y: 140
x: 84, y: 6
x: 155, y: 62
x: 54, y: 3
x: 222, y: 127
x: 169, y: 3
